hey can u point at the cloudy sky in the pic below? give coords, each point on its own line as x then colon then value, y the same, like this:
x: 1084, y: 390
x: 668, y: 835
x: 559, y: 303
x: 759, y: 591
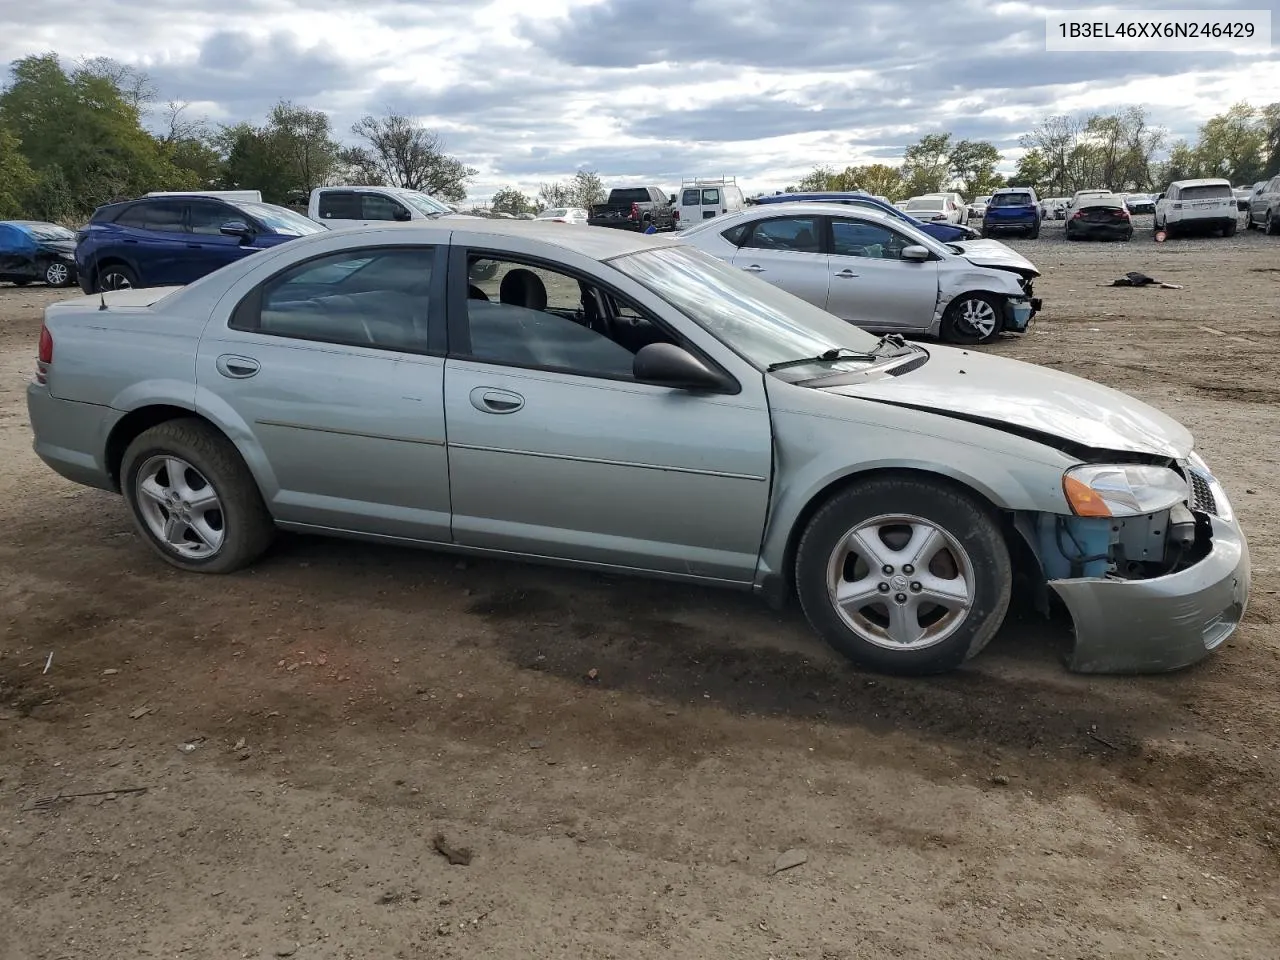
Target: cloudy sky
x: 647, y: 90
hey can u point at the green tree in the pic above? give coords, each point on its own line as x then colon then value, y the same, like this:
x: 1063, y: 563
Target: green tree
x: 1032, y: 171
x: 81, y: 137
x: 16, y: 177
x: 926, y: 164
x: 555, y: 195
x: 512, y: 201
x: 400, y: 153
x: 973, y: 164
x: 816, y: 180
x: 1233, y: 145
x: 881, y: 180
x: 583, y: 189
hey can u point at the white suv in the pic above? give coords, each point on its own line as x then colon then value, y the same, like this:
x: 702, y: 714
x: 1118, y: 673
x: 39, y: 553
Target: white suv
x: 1201, y: 205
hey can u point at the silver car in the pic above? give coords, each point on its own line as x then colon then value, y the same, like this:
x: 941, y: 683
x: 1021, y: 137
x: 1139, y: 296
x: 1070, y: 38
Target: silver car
x: 877, y: 271
x: 614, y: 401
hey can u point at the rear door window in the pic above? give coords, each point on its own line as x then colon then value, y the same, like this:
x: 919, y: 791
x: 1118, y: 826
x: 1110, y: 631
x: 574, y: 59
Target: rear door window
x: 799, y: 234
x: 689, y: 198
x: 339, y: 205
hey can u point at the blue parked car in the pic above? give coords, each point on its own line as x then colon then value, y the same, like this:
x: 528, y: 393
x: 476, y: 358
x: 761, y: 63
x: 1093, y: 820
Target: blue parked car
x: 175, y: 239
x: 35, y: 250
x: 942, y: 232
x: 1012, y: 210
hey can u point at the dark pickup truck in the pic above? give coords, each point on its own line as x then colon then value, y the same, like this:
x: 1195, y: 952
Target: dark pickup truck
x: 635, y: 208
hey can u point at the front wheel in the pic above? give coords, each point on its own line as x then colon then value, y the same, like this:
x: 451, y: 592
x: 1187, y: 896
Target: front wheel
x: 116, y: 276
x: 57, y: 274
x: 193, y: 499
x: 971, y: 318
x: 904, y: 575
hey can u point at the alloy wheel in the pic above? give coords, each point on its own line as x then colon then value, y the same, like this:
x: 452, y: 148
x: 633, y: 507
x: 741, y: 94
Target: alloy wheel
x: 978, y: 316
x: 56, y: 274
x: 180, y: 507
x: 900, y: 582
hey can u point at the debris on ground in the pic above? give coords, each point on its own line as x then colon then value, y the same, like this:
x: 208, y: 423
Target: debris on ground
x: 458, y: 856
x: 110, y: 672
x: 44, y: 803
x: 1000, y: 780
x: 1135, y: 279
x: 790, y: 859
x: 141, y: 712
x: 285, y: 949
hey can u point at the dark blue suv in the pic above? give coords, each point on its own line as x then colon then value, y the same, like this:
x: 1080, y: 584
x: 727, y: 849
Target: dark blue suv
x: 1012, y: 210
x: 174, y: 239
x: 942, y: 232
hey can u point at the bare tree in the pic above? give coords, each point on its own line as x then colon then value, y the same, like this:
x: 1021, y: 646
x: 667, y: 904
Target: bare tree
x: 403, y: 154
x: 177, y: 126
x: 134, y: 85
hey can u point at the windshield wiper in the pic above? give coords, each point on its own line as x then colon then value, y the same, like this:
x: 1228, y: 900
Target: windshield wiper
x: 836, y: 354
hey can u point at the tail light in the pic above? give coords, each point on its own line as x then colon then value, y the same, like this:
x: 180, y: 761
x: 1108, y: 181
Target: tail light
x: 1077, y: 215
x: 44, y: 356
x: 675, y: 214
x: 1122, y: 214
x: 635, y: 211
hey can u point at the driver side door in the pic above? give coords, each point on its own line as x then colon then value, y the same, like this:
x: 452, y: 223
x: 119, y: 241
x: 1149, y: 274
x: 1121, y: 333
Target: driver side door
x: 871, y: 285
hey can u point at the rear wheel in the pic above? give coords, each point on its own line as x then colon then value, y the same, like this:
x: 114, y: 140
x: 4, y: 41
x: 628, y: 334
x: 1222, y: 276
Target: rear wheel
x: 1229, y: 230
x: 1271, y: 225
x: 971, y: 318
x: 116, y: 276
x: 904, y: 575
x: 193, y: 499
x: 1034, y: 233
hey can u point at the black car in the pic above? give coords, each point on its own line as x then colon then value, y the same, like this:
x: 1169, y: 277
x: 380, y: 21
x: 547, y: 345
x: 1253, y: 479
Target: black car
x: 31, y: 250
x: 1105, y: 218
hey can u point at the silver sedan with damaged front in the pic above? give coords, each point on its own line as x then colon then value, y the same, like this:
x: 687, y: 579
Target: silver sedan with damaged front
x: 613, y: 401
x: 878, y: 272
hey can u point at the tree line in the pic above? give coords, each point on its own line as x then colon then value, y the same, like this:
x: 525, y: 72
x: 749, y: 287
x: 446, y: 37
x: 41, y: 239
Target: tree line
x: 1062, y: 154
x: 72, y: 139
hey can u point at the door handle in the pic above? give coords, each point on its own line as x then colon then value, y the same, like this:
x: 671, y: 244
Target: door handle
x: 237, y: 368
x: 846, y: 274
x: 754, y: 268
x: 490, y: 400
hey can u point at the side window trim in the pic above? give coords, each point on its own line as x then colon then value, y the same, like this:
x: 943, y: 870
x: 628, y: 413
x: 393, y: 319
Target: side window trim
x: 246, y: 316
x: 459, y: 347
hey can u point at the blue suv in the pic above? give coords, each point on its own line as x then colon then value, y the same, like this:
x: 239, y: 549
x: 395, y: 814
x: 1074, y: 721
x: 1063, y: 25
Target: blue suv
x: 942, y: 232
x: 1012, y: 210
x: 175, y: 239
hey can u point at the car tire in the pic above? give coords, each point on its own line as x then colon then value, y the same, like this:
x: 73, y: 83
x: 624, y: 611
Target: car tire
x: 1229, y: 230
x: 212, y: 518
x: 58, y: 274
x: 1034, y: 233
x: 114, y: 276
x: 862, y: 525
x: 1271, y: 224
x: 1249, y: 224
x: 958, y: 322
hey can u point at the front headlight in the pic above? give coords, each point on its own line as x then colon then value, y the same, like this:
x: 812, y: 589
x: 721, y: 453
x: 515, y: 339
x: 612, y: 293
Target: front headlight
x: 1122, y: 490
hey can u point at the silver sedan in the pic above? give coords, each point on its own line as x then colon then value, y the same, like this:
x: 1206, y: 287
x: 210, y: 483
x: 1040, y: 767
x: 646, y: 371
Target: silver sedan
x: 877, y: 271
x: 613, y: 401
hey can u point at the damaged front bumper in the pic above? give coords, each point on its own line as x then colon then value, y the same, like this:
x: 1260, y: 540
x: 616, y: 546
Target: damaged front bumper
x: 1018, y: 313
x: 1162, y: 623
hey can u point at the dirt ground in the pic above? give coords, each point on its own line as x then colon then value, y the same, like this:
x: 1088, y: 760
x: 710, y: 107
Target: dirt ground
x: 346, y: 703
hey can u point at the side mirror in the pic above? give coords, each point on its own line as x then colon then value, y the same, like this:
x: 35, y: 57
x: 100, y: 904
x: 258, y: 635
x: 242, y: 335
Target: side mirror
x: 402, y: 215
x: 666, y: 365
x: 915, y: 253
x: 236, y: 228
x: 1159, y: 198
x: 672, y: 200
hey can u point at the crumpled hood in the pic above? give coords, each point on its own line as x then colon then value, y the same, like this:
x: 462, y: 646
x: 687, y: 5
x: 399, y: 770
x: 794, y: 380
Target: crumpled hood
x: 993, y: 253
x: 1029, y: 396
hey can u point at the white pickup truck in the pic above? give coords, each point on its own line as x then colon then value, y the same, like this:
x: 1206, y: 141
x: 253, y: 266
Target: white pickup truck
x: 370, y: 206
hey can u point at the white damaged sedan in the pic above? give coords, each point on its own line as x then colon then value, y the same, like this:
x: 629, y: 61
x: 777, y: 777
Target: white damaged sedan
x: 878, y: 272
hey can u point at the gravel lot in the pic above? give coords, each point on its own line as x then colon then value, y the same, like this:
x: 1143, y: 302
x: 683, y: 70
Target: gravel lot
x: 346, y: 703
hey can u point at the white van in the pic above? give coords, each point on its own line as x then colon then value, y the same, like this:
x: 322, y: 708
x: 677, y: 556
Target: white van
x: 700, y: 200
x: 246, y: 196
x: 368, y: 206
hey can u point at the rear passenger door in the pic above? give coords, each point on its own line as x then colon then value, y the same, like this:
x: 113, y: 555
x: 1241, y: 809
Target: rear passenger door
x: 787, y: 252
x: 330, y: 375
x: 154, y: 240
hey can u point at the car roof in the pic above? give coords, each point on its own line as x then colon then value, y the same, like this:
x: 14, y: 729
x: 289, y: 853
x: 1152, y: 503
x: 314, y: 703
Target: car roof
x: 813, y: 207
x: 1202, y: 182
x: 599, y: 243
x: 1012, y: 190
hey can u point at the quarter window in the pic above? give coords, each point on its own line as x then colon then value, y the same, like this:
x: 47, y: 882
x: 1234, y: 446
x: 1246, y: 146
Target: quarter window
x: 799, y: 234
x: 369, y: 298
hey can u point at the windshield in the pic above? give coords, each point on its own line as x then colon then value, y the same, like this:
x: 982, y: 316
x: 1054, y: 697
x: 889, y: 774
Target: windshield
x: 558, y: 212
x: 48, y: 231
x: 278, y: 219
x: 764, y: 324
x: 1010, y: 200
x: 927, y: 203
x: 423, y: 203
